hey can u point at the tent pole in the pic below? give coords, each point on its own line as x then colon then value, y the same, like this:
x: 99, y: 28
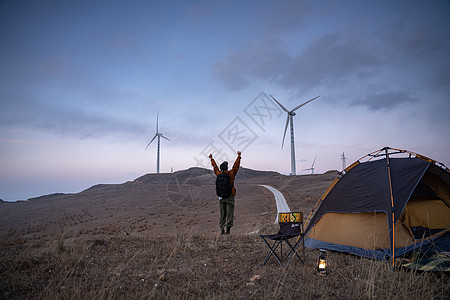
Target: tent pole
x: 392, y: 207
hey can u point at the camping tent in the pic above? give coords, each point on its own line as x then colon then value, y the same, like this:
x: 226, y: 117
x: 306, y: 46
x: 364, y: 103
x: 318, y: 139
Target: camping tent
x: 384, y: 205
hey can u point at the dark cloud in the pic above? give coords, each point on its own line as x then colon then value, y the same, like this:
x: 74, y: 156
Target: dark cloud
x: 384, y: 101
x: 268, y: 60
x: 264, y: 61
x: 411, y: 42
x: 421, y: 35
x: 327, y: 60
x: 232, y: 71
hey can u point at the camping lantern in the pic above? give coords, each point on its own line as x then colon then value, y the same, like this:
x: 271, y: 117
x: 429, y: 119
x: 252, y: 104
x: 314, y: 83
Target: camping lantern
x: 322, y: 263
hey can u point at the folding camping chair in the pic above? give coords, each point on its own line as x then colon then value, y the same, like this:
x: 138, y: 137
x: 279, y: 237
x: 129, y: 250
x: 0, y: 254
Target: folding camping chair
x: 291, y: 226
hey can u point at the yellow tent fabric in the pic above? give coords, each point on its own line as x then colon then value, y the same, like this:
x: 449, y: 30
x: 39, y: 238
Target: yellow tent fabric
x: 370, y: 230
x: 439, y: 186
x: 433, y: 214
x: 362, y: 230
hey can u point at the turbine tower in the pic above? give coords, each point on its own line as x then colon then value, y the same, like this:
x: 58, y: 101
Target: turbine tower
x: 343, y: 158
x: 312, y: 166
x: 159, y: 136
x: 290, y: 121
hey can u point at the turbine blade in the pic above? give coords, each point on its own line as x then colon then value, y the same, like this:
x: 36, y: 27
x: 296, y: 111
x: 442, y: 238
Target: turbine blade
x: 157, y: 117
x: 285, y: 129
x: 297, y: 107
x: 282, y: 107
x: 165, y: 137
x: 312, y: 166
x: 151, y: 141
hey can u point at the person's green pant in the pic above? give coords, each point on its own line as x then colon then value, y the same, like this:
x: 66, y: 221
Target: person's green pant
x: 226, y: 206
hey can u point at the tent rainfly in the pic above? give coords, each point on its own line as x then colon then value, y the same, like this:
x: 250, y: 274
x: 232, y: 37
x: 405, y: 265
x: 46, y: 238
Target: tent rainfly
x: 384, y: 205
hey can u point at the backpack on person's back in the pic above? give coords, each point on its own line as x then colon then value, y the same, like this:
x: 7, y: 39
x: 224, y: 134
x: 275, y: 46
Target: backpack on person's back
x: 223, y: 185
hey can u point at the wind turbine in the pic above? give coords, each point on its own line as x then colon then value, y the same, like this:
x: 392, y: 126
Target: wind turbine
x: 159, y: 136
x: 290, y: 120
x: 312, y: 166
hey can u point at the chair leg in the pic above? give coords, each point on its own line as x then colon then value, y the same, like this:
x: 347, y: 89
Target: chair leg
x: 272, y: 251
x: 303, y: 246
x: 293, y: 250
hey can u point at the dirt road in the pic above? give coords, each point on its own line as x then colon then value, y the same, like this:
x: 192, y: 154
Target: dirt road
x: 282, y: 205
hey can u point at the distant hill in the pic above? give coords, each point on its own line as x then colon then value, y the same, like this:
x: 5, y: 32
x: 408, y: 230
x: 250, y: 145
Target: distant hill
x: 155, y: 203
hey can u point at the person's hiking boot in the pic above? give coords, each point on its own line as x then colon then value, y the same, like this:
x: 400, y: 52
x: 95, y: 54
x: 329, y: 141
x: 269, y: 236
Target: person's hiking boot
x: 228, y: 230
x: 222, y: 230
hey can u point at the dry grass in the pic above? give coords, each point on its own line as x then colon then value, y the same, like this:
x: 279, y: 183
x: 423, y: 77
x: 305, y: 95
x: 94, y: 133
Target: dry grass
x: 192, y: 266
x: 108, y: 243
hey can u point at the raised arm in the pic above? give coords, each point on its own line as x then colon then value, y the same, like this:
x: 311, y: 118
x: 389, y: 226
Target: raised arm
x: 237, y: 163
x: 214, y: 165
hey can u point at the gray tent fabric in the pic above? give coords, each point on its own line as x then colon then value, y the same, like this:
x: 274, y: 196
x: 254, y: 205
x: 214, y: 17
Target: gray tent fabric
x: 406, y: 174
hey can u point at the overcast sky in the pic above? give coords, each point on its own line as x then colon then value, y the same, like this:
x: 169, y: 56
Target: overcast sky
x: 82, y: 82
